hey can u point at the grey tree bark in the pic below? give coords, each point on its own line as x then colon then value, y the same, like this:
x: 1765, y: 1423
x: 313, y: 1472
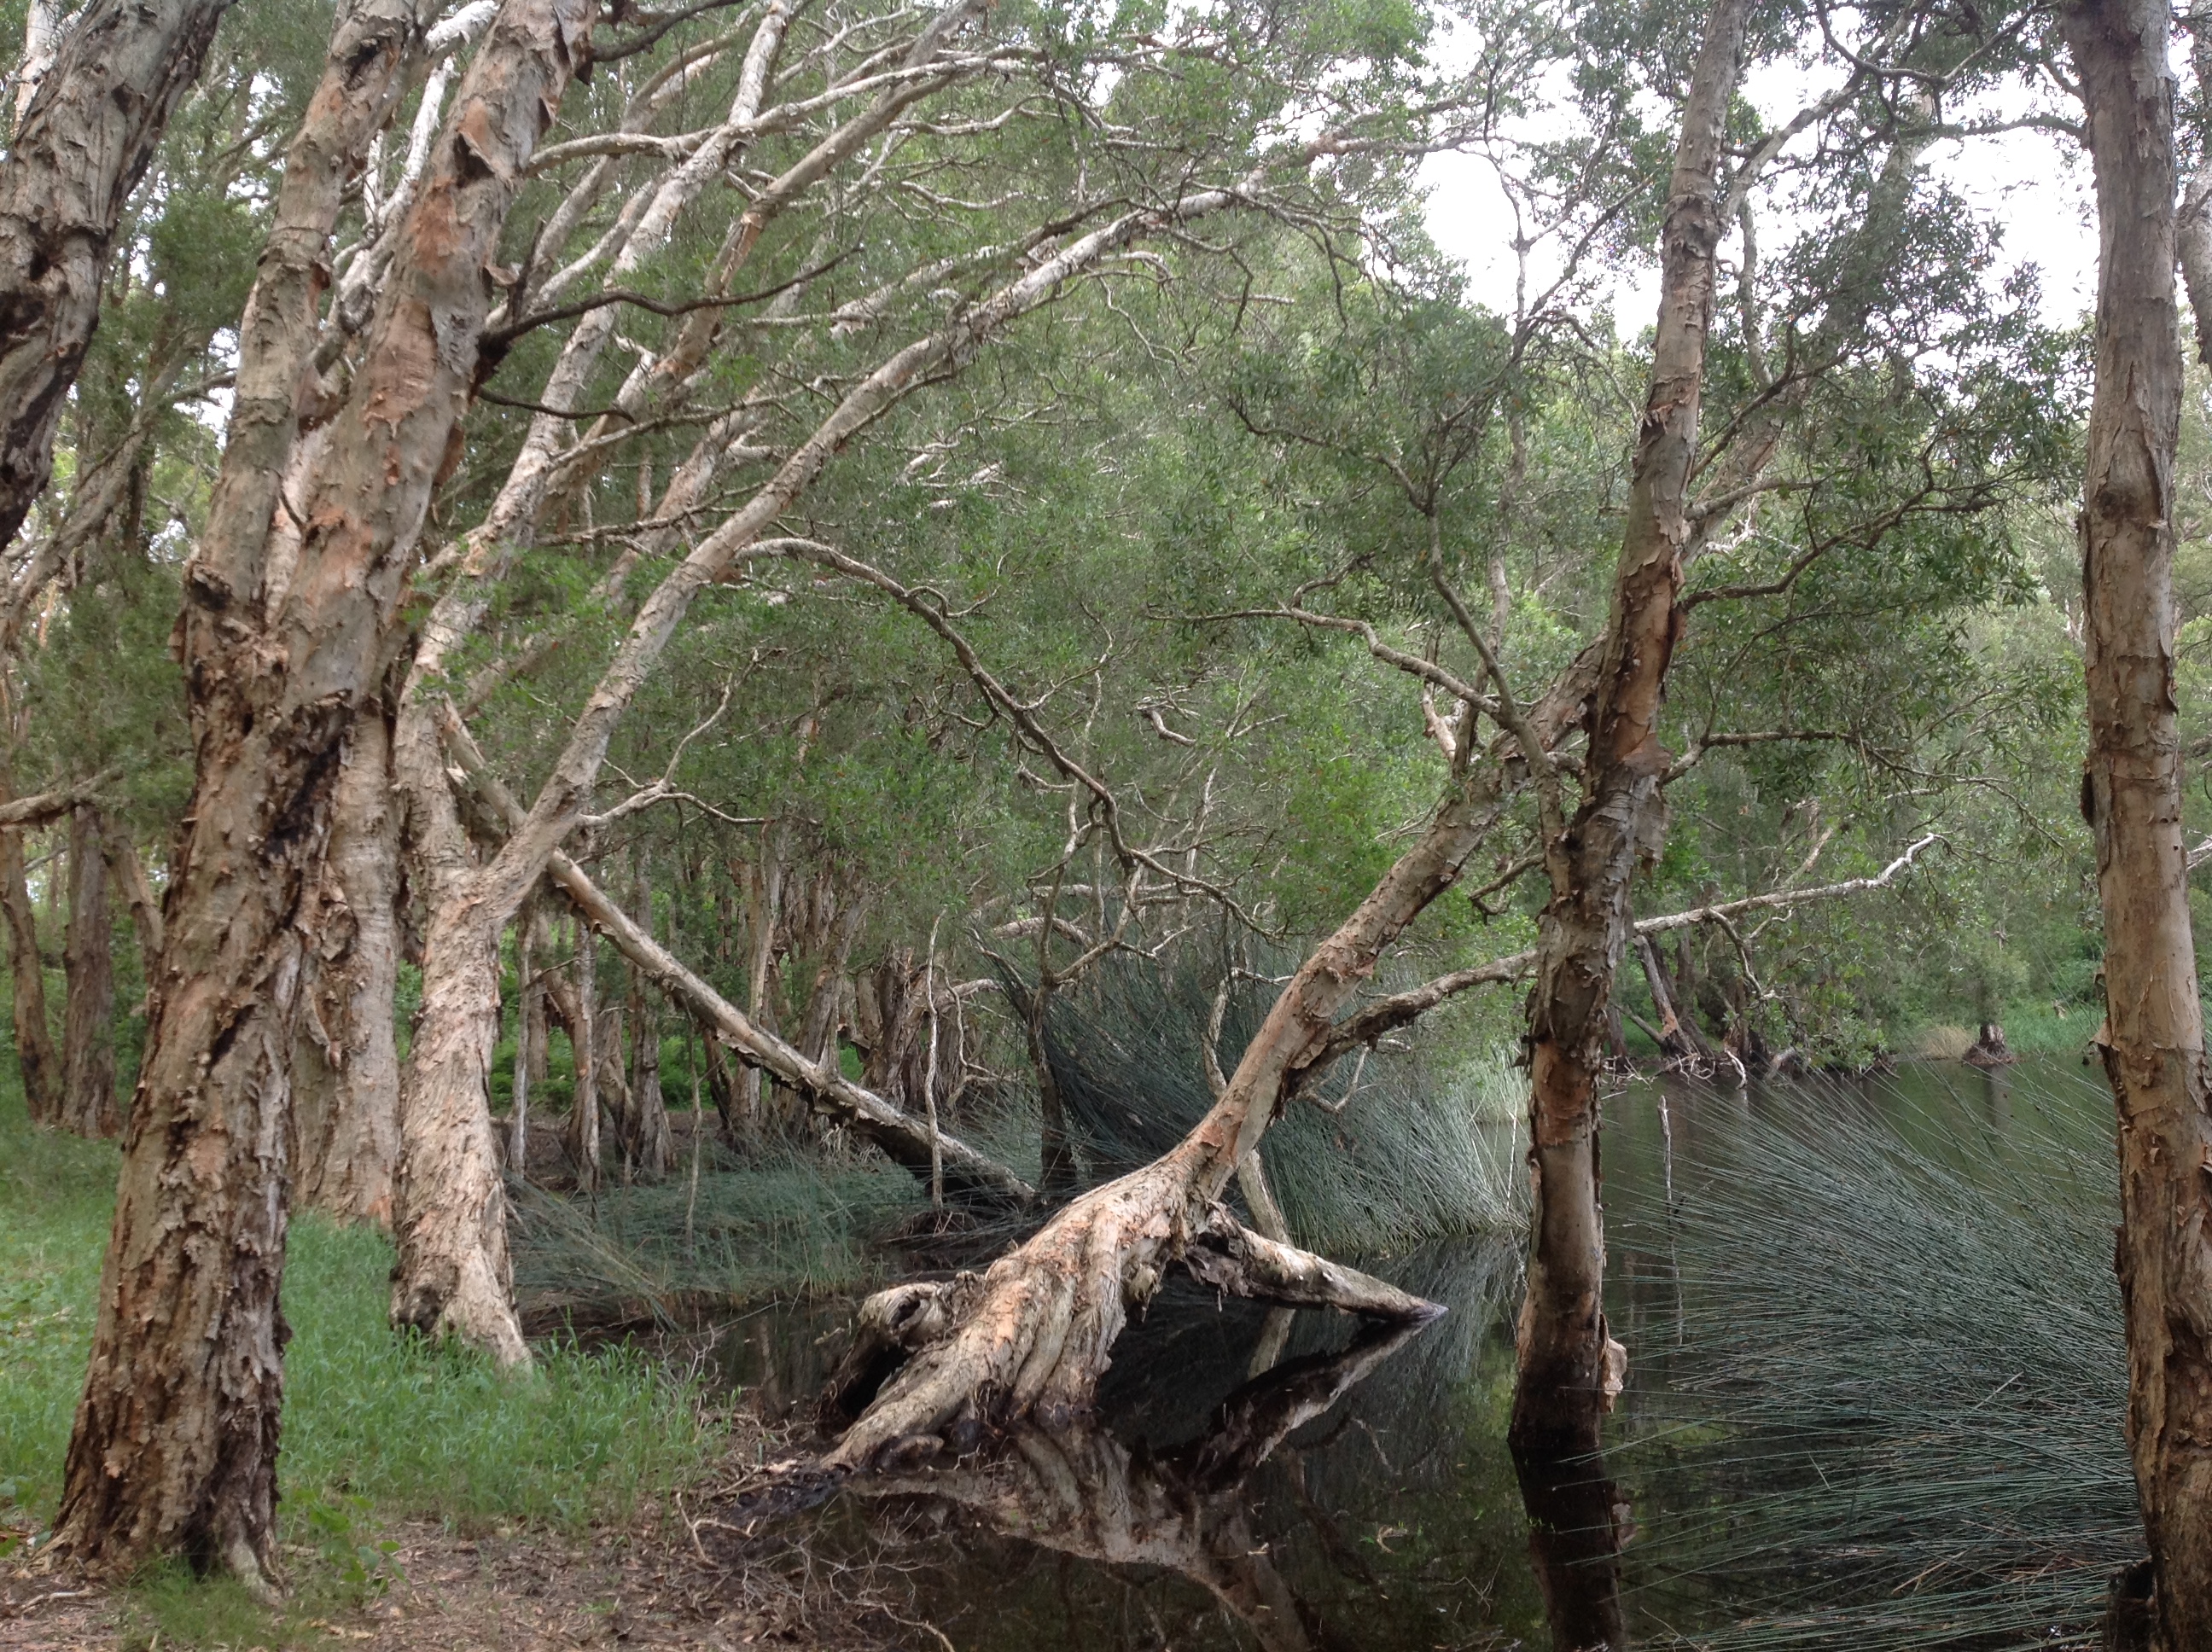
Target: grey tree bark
x: 89, y: 968
x: 2154, y: 1034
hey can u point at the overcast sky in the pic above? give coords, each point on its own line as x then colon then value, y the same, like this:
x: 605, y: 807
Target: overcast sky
x: 2036, y: 182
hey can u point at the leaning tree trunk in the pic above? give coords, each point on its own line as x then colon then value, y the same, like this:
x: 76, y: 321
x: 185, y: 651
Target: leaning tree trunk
x: 1570, y: 1365
x: 2153, y: 1036
x: 1033, y: 1334
x: 345, y: 1053
x: 82, y: 144
x: 89, y: 968
x: 175, y: 1443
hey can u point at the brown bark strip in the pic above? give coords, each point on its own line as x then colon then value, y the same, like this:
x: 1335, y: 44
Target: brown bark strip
x: 84, y: 142
x: 345, y: 1056
x: 2153, y: 1034
x: 174, y: 1449
x: 36, y: 1058
x: 89, y: 968
x: 1568, y: 1361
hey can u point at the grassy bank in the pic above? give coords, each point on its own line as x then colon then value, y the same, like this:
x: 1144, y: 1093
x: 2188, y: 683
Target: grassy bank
x: 377, y: 1428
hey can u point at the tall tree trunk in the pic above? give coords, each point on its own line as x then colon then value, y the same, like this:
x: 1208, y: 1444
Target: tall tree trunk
x: 767, y: 893
x: 529, y: 1034
x: 345, y: 1053
x: 125, y: 866
x: 81, y: 143
x: 2153, y: 1034
x: 1569, y: 1366
x: 648, y: 1111
x: 35, y: 1058
x: 584, y: 1044
x: 89, y: 966
x: 175, y: 1443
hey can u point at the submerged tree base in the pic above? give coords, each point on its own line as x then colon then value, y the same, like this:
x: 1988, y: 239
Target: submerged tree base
x: 933, y: 1364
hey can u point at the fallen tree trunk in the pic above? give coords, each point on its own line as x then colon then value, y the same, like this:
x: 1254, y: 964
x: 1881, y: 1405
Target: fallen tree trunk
x: 906, y: 1139
x: 1032, y: 1335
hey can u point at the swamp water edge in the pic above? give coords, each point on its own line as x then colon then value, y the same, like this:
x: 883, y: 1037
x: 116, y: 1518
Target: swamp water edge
x: 1876, y: 1384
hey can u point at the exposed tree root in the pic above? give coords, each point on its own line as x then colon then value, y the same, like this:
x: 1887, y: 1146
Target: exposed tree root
x: 1031, y: 1336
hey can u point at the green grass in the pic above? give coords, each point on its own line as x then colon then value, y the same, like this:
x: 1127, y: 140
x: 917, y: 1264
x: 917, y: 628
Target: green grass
x: 377, y: 1428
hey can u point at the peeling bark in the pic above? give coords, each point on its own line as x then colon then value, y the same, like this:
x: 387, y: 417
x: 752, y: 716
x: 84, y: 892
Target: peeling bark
x: 83, y: 141
x: 89, y: 966
x: 345, y: 1056
x: 175, y: 1443
x: 2153, y: 1036
x: 1570, y: 1365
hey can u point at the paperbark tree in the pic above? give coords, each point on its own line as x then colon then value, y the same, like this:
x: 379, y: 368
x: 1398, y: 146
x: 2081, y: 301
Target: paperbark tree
x: 175, y: 1443
x: 1569, y: 1366
x: 345, y: 1056
x: 451, y: 1274
x: 84, y: 139
x: 2153, y: 1034
x: 89, y: 966
x: 35, y: 1057
x: 41, y: 1066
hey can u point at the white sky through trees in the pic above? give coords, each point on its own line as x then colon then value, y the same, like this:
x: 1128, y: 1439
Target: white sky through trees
x: 2035, y: 182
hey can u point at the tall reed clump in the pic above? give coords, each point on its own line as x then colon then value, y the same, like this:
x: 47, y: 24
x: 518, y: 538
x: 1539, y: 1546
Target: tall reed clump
x: 1900, y: 1358
x: 784, y: 1225
x: 1386, y: 1159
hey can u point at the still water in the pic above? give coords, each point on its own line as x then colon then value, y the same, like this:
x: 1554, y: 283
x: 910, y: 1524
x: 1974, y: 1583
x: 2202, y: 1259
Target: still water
x: 1874, y: 1400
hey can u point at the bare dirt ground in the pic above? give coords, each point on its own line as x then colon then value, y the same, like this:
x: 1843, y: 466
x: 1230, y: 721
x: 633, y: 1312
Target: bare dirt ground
x: 670, y: 1578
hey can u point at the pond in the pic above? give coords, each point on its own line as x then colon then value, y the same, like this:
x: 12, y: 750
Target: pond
x: 1876, y: 1399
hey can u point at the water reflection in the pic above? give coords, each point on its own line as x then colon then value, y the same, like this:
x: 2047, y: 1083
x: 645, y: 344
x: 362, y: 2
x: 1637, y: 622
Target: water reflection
x: 1874, y: 1401
x: 1579, y: 1523
x: 1083, y: 1492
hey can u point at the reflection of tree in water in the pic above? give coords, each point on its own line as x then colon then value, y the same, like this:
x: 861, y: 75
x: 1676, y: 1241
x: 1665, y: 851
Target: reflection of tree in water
x: 1083, y: 1492
x: 1350, y: 1497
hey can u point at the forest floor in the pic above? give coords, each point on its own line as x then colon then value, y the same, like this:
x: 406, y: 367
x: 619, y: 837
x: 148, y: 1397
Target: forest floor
x: 656, y: 1580
x: 429, y: 1502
